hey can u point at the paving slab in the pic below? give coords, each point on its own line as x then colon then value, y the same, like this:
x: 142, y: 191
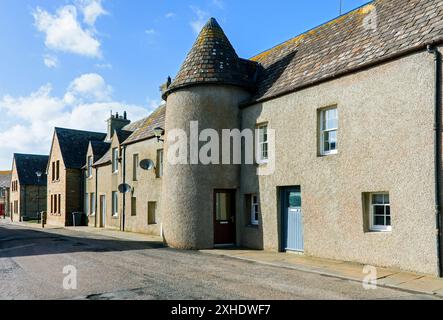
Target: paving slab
x: 399, y: 278
x: 426, y: 284
x: 386, y: 277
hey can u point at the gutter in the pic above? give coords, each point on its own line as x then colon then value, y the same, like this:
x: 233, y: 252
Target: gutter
x: 349, y: 71
x: 438, y: 152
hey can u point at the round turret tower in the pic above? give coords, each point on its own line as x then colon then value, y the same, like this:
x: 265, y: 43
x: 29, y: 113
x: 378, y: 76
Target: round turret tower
x: 211, y: 84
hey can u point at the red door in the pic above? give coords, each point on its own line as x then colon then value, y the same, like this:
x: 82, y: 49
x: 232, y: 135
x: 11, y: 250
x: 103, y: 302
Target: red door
x: 224, y: 217
x: 2, y: 209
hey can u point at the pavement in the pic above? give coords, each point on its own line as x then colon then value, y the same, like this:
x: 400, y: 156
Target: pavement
x: 113, y: 265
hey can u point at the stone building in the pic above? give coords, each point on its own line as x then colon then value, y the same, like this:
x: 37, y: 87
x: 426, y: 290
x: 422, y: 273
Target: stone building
x: 65, y: 174
x: 5, y: 183
x: 346, y: 145
x: 347, y: 161
x: 28, y: 186
x: 114, y: 162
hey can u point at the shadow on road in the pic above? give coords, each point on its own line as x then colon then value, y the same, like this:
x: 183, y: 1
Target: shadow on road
x: 17, y: 242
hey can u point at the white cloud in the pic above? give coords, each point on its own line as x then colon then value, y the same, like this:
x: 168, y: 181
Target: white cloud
x: 150, y: 32
x: 200, y: 19
x: 64, y: 33
x: 92, y: 10
x: 28, y: 122
x: 89, y: 87
x: 170, y: 15
x: 50, y: 61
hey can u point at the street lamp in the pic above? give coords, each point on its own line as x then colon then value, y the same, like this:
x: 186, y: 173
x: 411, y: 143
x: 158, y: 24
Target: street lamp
x: 39, y: 175
x: 159, y: 133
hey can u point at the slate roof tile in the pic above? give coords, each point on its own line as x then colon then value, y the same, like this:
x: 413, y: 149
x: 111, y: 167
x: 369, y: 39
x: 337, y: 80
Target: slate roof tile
x: 27, y: 165
x: 74, y: 145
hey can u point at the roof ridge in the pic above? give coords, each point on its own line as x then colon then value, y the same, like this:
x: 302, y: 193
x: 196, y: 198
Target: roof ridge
x: 77, y: 130
x: 314, y: 28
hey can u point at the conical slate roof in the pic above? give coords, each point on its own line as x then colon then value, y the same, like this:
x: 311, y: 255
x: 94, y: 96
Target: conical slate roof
x: 213, y: 60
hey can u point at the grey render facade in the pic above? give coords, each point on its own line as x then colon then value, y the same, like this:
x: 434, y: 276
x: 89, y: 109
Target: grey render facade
x: 347, y: 166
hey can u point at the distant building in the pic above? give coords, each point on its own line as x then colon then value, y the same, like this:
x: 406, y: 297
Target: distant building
x: 65, y: 174
x: 117, y: 161
x: 28, y: 186
x: 5, y: 183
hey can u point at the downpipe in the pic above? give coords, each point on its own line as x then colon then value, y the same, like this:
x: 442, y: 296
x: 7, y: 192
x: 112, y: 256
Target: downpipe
x: 437, y: 153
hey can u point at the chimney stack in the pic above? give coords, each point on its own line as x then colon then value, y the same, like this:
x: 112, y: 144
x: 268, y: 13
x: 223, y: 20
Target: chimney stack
x: 116, y: 123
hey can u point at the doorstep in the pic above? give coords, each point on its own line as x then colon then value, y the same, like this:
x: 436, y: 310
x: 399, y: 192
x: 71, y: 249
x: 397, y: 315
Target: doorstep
x: 386, y: 277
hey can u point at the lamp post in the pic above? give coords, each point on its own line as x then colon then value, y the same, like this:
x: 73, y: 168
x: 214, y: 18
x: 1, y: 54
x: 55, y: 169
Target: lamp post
x: 38, y: 174
x: 159, y: 133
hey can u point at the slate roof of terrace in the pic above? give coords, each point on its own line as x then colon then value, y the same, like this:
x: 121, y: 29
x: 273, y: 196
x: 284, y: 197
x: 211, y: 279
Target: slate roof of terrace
x: 27, y: 165
x: 5, y: 179
x: 375, y: 32
x: 146, y: 129
x: 74, y: 145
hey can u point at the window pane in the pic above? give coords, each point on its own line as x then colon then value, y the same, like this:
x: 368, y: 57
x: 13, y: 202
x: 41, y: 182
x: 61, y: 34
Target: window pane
x: 379, y: 220
x: 387, y: 199
x: 223, y: 206
x: 379, y: 210
x: 388, y: 211
x: 295, y: 200
x: 377, y: 199
x: 388, y: 221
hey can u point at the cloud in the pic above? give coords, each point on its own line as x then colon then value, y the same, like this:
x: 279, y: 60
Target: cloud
x: 89, y: 87
x: 92, y: 10
x: 219, y: 4
x: 150, y: 32
x: 50, y: 61
x: 199, y: 20
x: 170, y: 15
x: 28, y: 122
x: 103, y: 66
x: 64, y: 33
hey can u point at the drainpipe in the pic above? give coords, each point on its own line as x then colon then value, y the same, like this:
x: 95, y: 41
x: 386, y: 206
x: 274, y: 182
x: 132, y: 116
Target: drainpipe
x: 438, y: 154
x: 96, y: 198
x: 124, y: 182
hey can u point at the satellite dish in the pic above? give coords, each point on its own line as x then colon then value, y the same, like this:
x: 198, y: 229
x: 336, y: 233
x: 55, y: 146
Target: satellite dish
x: 124, y: 188
x: 147, y: 164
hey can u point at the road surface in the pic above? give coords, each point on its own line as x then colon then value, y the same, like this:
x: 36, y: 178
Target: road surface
x: 33, y: 262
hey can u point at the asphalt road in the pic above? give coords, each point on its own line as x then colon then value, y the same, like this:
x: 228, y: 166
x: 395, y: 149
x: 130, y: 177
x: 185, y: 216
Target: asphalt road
x: 32, y: 264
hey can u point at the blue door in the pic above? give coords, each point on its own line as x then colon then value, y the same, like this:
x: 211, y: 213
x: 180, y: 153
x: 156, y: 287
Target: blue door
x: 292, y: 220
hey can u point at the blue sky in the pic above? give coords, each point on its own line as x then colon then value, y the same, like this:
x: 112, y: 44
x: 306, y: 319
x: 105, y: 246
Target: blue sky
x: 67, y: 63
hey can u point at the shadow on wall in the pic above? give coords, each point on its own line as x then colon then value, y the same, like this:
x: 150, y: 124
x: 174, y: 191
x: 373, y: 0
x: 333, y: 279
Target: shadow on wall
x: 23, y: 243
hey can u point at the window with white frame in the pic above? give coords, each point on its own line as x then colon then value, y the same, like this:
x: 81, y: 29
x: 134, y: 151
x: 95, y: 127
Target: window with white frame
x: 89, y: 166
x: 114, y: 204
x: 328, y: 131
x: 255, y: 210
x: 262, y: 143
x: 115, y: 160
x: 380, y: 209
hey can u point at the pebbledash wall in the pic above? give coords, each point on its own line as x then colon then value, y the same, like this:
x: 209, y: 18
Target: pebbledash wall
x: 386, y: 143
x: 188, y: 190
x: 146, y: 188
